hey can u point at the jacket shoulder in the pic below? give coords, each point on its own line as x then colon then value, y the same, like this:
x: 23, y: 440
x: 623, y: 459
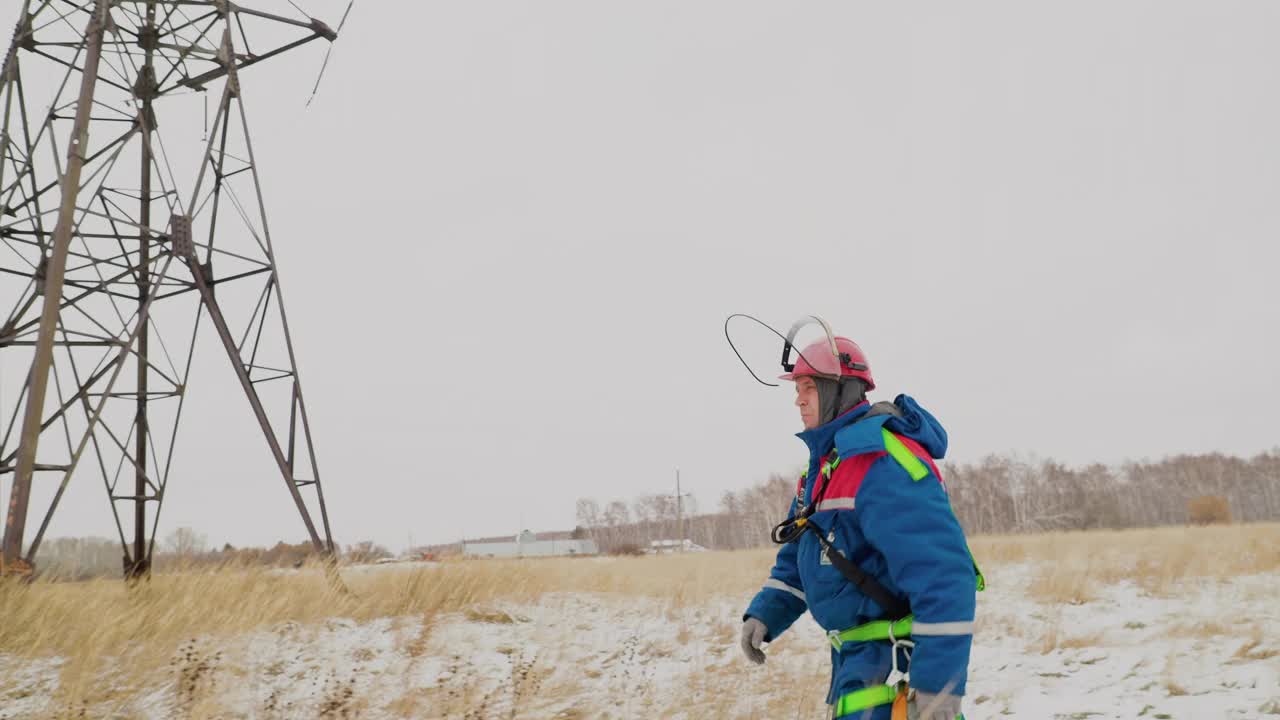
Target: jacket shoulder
x: 862, y: 437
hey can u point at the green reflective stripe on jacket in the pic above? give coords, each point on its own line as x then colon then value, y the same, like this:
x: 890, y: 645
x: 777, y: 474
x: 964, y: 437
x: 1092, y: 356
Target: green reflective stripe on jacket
x: 877, y: 630
x: 830, y: 467
x: 860, y: 700
x: 918, y: 471
x: 982, y: 580
x: 907, y: 459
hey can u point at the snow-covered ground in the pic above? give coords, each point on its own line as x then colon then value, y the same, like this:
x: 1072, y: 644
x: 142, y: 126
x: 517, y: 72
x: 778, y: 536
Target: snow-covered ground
x: 1210, y: 651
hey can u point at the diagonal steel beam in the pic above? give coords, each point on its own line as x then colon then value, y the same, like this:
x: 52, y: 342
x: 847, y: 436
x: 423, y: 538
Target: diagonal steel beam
x: 259, y: 411
x: 20, y: 496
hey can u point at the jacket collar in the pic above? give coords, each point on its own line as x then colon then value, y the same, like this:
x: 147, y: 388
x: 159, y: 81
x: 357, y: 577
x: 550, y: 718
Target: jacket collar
x: 821, y: 440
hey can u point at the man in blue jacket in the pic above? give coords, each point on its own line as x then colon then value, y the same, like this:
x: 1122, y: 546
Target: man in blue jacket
x: 871, y: 548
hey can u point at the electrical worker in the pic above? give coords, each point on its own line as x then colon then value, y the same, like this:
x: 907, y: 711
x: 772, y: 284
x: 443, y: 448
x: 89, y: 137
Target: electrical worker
x: 871, y: 547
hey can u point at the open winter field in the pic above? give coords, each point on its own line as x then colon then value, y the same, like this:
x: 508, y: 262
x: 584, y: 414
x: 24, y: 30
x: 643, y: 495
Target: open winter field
x: 1169, y: 623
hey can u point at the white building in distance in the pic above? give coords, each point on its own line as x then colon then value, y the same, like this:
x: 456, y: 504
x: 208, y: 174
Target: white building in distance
x: 660, y: 547
x: 526, y: 544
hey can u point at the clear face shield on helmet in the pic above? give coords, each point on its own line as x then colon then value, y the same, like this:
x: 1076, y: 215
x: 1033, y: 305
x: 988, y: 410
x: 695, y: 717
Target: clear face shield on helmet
x: 807, y: 348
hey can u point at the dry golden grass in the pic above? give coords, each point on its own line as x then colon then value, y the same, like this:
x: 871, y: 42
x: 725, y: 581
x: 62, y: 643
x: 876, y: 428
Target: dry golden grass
x: 107, y: 616
x: 1172, y: 686
x: 1157, y: 559
x: 1209, y: 510
x: 1088, y: 640
x: 1205, y: 630
x: 1048, y: 642
x: 115, y: 637
x: 1252, y: 648
x: 1056, y: 584
x: 103, y: 626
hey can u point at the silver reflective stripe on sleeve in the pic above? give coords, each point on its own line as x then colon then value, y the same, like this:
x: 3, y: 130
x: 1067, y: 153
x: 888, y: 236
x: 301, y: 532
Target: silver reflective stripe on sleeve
x: 779, y: 585
x: 836, y: 504
x: 946, y: 628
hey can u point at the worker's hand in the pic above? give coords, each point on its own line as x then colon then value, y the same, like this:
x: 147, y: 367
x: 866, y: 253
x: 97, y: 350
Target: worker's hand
x: 933, y: 706
x: 753, y: 632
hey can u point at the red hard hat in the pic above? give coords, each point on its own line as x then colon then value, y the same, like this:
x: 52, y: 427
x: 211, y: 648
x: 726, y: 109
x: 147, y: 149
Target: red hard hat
x: 852, y: 362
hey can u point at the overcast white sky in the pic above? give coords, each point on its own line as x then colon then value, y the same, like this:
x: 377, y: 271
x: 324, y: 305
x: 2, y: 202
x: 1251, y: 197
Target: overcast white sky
x: 509, y: 233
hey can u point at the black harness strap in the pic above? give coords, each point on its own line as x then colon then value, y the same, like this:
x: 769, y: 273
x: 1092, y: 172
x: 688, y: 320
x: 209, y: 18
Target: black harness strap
x: 794, y: 528
x: 895, y: 607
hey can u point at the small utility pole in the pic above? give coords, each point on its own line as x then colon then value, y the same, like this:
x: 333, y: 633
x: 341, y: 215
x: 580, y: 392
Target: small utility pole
x: 679, y: 512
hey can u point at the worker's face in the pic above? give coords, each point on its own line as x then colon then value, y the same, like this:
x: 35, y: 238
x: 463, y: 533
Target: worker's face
x: 807, y: 401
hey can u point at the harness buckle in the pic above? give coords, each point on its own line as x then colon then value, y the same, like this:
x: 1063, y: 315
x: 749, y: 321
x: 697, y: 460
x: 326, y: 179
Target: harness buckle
x: 834, y: 637
x: 896, y: 675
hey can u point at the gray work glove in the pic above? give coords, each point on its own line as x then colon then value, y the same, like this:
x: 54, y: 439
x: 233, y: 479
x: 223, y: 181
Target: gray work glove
x: 933, y: 706
x: 753, y: 632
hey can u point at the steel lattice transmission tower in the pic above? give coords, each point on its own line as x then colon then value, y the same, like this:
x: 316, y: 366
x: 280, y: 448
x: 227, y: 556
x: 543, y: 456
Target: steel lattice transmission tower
x: 109, y: 265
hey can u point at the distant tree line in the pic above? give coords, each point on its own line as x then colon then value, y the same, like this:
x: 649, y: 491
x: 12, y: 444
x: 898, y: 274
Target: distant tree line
x: 1005, y: 495
x: 996, y: 495
x: 627, y: 527
x: 183, y: 547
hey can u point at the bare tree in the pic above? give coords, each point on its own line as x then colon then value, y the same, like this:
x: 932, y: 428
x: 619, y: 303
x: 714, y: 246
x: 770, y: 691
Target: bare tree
x: 185, y: 542
x: 366, y: 551
x: 589, y: 513
x: 79, y: 558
